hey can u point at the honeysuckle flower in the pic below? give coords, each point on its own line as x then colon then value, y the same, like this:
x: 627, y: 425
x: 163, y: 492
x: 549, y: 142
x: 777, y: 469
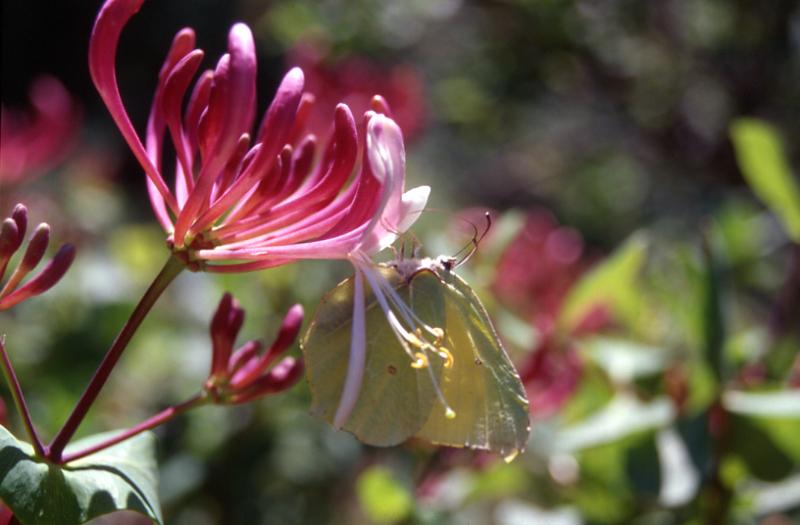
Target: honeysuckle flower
x: 35, y: 141
x: 240, y: 203
x: 248, y: 373
x: 12, y: 233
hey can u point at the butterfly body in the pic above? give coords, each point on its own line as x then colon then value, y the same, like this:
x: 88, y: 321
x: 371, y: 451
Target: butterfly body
x: 457, y: 387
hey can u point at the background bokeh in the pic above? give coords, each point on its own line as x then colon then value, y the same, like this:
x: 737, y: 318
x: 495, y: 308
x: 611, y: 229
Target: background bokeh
x: 649, y: 297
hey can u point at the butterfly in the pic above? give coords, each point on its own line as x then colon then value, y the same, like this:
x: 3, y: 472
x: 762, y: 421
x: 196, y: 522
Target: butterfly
x: 444, y: 377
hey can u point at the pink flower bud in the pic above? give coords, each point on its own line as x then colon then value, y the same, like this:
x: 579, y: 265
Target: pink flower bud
x: 245, y: 374
x: 9, y: 242
x: 20, y: 216
x: 241, y: 357
x: 45, y: 280
x: 225, y: 326
x: 283, y: 376
x: 33, y: 254
x: 287, y: 334
x: 36, y: 247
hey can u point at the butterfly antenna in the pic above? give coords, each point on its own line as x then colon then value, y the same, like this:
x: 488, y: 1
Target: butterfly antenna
x: 476, y: 240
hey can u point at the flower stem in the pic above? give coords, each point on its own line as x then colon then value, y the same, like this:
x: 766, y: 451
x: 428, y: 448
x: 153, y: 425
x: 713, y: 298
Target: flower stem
x: 168, y: 273
x: 148, y: 424
x: 19, y: 400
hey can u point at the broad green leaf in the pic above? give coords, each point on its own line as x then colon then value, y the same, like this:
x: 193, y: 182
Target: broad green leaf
x: 611, y: 284
x: 382, y: 497
x: 763, y: 162
x: 122, y: 477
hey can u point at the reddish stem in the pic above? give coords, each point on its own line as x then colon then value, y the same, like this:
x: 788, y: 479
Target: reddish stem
x: 148, y: 424
x: 19, y: 400
x: 171, y: 269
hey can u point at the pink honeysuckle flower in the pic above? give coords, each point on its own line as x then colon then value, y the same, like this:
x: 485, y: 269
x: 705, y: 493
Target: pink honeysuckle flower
x: 240, y: 203
x: 248, y: 373
x: 35, y: 141
x: 12, y: 233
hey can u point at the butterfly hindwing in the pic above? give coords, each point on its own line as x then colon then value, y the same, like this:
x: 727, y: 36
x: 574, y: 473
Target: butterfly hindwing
x: 482, y: 386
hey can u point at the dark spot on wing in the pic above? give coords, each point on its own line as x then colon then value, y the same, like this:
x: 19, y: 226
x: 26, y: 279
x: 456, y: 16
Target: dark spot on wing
x: 391, y: 369
x: 478, y: 362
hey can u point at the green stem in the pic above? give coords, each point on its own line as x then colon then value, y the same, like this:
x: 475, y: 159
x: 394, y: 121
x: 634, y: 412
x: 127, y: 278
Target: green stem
x: 148, y: 424
x: 171, y: 269
x: 19, y: 400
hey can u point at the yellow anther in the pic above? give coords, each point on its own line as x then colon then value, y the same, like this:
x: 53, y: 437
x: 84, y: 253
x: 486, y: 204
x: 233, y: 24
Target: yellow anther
x: 438, y: 334
x: 449, y: 413
x: 447, y: 355
x: 415, y: 339
x: 420, y: 361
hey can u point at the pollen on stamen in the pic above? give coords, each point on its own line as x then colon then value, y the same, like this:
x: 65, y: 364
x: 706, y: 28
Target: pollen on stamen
x: 421, y: 361
x: 449, y: 413
x: 447, y: 355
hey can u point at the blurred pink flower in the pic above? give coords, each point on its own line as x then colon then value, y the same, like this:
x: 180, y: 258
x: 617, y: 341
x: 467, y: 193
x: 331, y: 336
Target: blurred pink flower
x: 238, y: 204
x: 533, y: 277
x: 35, y: 141
x: 353, y: 80
x: 12, y: 234
x: 248, y: 373
x: 539, y: 267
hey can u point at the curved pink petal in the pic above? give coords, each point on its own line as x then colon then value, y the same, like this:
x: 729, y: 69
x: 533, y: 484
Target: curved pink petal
x: 102, y: 55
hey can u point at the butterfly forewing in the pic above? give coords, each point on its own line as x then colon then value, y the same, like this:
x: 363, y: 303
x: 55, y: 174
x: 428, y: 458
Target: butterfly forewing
x: 482, y: 386
x: 395, y: 399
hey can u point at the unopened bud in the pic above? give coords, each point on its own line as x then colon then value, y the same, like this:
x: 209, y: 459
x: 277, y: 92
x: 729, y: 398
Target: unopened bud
x: 36, y: 247
x: 45, y: 280
x: 10, y: 239
x: 284, y: 375
x: 379, y: 105
x: 20, y: 216
x: 244, y: 355
x: 253, y: 370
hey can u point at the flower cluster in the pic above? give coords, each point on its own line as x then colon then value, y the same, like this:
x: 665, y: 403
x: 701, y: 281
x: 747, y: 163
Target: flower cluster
x: 248, y: 373
x: 12, y: 234
x: 241, y: 202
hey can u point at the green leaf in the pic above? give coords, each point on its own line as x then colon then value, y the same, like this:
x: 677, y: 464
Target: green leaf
x: 714, y: 329
x: 763, y: 162
x: 383, y: 498
x: 776, y: 414
x: 122, y: 477
x: 610, y: 284
x: 759, y: 451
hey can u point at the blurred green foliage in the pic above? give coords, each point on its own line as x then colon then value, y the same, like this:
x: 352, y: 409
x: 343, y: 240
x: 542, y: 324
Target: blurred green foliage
x: 666, y: 133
